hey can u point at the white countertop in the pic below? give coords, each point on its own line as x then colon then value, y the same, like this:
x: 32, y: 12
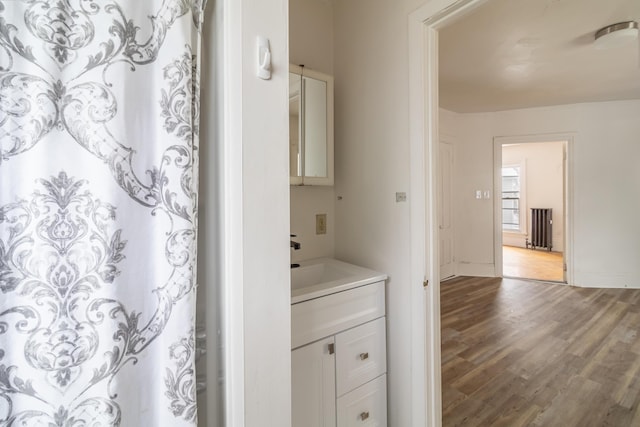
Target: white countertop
x: 324, y: 276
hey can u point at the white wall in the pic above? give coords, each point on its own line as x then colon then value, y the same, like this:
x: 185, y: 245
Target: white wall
x: 473, y: 218
x: 447, y: 124
x: 311, y: 44
x: 262, y: 130
x: 372, y: 164
x: 542, y: 185
x: 606, y: 185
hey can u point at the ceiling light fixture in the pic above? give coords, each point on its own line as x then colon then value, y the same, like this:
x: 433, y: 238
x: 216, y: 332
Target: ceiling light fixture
x: 616, y: 35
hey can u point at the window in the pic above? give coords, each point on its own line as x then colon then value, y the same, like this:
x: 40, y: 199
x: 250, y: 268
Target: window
x: 511, y: 198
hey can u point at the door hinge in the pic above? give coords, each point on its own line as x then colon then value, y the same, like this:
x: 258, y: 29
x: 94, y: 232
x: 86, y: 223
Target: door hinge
x: 425, y: 283
x: 332, y: 348
x: 564, y: 267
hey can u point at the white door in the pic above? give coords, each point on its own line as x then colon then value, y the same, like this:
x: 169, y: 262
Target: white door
x: 445, y: 213
x: 313, y: 385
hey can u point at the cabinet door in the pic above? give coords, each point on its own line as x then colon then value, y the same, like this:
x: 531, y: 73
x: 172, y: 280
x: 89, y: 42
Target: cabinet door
x: 313, y: 385
x: 365, y: 406
x: 311, y: 127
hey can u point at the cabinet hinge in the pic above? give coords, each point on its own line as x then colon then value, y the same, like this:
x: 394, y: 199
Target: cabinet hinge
x: 425, y: 283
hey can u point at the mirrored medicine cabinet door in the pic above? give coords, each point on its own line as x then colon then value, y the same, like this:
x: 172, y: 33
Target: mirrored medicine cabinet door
x: 310, y: 127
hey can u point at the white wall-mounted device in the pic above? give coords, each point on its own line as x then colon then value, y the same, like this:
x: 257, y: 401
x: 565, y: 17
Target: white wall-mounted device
x: 264, y: 58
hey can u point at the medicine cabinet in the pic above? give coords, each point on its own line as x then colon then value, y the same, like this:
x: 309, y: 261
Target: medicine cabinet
x: 310, y: 127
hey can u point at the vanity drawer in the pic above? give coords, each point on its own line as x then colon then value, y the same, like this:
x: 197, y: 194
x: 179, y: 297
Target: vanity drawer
x: 365, y: 406
x: 360, y: 355
x: 318, y: 318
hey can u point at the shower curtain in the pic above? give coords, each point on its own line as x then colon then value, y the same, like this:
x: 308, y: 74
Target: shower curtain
x: 99, y: 108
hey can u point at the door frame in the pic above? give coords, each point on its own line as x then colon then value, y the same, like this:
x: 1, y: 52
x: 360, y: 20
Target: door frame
x: 424, y: 23
x: 568, y: 139
x: 448, y: 141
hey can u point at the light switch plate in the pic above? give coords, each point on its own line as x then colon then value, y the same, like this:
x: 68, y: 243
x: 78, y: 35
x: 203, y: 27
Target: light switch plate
x: 321, y: 224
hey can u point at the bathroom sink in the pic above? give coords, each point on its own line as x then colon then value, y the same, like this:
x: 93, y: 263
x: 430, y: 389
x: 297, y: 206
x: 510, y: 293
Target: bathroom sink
x: 314, y: 274
x: 324, y: 276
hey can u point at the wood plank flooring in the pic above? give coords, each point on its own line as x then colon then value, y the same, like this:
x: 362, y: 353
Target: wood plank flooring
x: 532, y: 264
x: 524, y: 353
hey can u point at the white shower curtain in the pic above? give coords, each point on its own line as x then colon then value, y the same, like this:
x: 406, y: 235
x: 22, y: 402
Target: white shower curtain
x: 99, y: 108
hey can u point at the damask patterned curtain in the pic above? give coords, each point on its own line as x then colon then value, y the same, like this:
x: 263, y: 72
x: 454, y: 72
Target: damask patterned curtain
x: 99, y: 107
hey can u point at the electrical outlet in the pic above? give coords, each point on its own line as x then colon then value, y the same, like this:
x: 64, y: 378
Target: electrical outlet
x: 321, y: 224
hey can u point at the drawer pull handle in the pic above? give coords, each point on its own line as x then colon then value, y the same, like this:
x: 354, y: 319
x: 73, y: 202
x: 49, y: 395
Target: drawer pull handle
x: 364, y: 416
x: 364, y: 356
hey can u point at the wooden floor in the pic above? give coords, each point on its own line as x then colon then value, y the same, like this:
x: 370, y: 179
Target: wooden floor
x: 532, y: 264
x: 523, y: 353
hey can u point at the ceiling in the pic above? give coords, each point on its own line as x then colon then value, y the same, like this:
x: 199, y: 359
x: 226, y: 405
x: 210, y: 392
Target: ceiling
x: 509, y: 54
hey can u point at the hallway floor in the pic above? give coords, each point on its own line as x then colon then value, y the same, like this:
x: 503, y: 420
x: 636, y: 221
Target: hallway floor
x: 532, y: 264
x: 524, y: 353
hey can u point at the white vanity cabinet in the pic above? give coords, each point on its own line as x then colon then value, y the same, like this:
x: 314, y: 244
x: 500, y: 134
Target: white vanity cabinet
x: 339, y: 359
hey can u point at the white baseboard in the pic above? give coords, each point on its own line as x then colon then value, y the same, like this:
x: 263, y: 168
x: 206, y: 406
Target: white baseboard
x: 475, y: 269
x: 604, y: 280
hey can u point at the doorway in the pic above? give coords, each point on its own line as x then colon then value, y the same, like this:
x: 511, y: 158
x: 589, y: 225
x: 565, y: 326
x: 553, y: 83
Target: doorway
x: 425, y: 258
x: 532, y: 210
x: 532, y: 216
x: 424, y: 139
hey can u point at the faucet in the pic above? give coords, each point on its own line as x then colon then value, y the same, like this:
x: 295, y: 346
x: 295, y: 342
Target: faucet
x: 294, y: 245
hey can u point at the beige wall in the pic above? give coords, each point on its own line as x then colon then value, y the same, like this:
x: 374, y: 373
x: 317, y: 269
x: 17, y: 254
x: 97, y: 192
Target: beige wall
x: 372, y: 164
x: 311, y: 34
x: 311, y: 44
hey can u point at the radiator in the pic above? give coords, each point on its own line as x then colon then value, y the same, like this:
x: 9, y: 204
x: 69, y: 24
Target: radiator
x: 541, y: 222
